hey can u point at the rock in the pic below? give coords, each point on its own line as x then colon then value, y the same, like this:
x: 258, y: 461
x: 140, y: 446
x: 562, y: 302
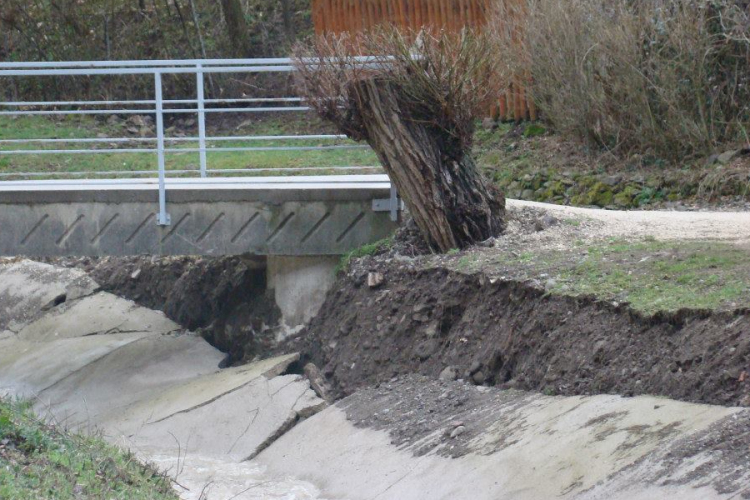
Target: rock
x: 549, y: 220
x: 135, y: 274
x: 545, y: 222
x: 478, y: 378
x: 431, y: 329
x: 475, y: 367
x: 712, y: 159
x: 527, y: 194
x: 727, y: 156
x: 318, y: 383
x: 488, y: 243
x: 489, y: 124
x: 374, y: 279
x: 612, y: 180
x: 457, y: 431
x: 426, y: 349
x: 449, y: 374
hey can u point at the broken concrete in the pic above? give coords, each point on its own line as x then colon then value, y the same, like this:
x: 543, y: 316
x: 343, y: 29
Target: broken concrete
x: 155, y: 389
x: 99, y: 314
x: 516, y: 445
x: 29, y: 288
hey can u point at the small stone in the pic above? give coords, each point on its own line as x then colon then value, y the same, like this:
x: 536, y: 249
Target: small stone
x: 727, y: 156
x: 457, y: 431
x: 475, y: 367
x: 478, y: 378
x: 549, y: 220
x: 712, y: 159
x: 489, y: 124
x: 318, y: 383
x: 374, y: 280
x: 612, y: 180
x: 135, y: 274
x: 449, y: 374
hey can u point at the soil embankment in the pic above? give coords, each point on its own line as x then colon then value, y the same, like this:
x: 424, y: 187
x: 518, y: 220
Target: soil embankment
x: 451, y: 325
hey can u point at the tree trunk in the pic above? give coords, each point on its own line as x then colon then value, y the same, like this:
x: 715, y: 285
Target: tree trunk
x: 237, y: 26
x: 450, y: 201
x: 286, y: 16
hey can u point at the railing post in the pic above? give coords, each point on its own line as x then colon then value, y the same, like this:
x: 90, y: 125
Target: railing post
x: 395, y: 202
x: 163, y: 218
x: 199, y: 82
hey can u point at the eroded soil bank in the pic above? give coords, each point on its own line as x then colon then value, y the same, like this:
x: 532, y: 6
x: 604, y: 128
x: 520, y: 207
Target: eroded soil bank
x: 447, y: 324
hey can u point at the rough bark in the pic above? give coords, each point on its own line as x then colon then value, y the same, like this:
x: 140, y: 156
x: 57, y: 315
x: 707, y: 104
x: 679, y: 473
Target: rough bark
x: 450, y: 201
x: 237, y: 26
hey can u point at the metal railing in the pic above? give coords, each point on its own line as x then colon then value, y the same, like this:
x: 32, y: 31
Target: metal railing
x: 161, y: 145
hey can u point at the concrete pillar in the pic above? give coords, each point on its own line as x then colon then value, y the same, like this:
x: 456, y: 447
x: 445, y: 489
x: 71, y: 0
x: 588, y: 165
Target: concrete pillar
x: 300, y: 285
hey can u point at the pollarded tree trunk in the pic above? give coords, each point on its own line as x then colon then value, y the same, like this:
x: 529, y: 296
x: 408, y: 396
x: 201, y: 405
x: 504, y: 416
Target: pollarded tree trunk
x: 451, y: 202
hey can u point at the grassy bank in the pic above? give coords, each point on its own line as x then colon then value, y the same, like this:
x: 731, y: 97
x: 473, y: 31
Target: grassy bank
x: 40, y: 461
x: 650, y: 275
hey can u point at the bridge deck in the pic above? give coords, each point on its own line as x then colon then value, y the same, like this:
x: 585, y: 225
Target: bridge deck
x: 317, y: 215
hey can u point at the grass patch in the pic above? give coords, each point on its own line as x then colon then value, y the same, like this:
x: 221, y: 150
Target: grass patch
x: 663, y: 276
x: 81, y: 127
x: 38, y: 460
x: 363, y: 251
x: 648, y: 274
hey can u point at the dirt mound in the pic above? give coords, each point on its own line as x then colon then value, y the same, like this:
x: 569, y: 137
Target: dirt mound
x: 224, y: 299
x: 493, y: 332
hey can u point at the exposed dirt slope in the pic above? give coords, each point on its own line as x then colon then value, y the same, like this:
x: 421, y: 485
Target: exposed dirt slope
x: 509, y: 334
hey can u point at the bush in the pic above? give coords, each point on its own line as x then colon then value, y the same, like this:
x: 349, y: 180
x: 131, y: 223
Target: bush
x: 664, y: 78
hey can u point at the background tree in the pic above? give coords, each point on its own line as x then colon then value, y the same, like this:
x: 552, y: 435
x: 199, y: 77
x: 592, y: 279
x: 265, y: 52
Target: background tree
x: 415, y: 104
x: 234, y: 17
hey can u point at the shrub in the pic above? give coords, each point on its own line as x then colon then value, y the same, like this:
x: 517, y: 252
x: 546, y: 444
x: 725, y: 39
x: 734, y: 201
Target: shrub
x: 665, y: 78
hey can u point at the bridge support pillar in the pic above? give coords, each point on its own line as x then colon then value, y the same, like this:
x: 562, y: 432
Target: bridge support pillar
x: 300, y: 285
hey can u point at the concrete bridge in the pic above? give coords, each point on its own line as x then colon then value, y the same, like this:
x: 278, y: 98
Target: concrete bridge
x: 293, y: 227
x: 293, y: 216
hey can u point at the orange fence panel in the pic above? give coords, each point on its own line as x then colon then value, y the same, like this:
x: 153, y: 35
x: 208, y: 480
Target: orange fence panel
x: 355, y: 16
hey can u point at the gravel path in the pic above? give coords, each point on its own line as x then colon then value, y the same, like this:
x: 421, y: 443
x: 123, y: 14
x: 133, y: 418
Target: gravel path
x: 558, y: 225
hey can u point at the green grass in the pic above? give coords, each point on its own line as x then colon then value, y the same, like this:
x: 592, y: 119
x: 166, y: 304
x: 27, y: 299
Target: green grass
x: 663, y: 276
x: 39, y: 461
x: 78, y: 127
x: 363, y: 251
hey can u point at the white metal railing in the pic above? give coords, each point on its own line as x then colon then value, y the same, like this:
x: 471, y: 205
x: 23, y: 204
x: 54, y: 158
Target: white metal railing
x: 159, y: 106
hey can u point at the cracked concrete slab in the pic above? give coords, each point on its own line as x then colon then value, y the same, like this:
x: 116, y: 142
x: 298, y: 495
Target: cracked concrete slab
x: 93, y: 361
x: 139, y: 370
x: 27, y: 368
x: 98, y: 314
x: 541, y: 447
x: 28, y: 287
x: 196, y: 392
x: 235, y: 425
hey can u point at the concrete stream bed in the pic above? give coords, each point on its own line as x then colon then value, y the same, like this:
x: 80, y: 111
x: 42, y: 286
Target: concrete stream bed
x: 95, y: 362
